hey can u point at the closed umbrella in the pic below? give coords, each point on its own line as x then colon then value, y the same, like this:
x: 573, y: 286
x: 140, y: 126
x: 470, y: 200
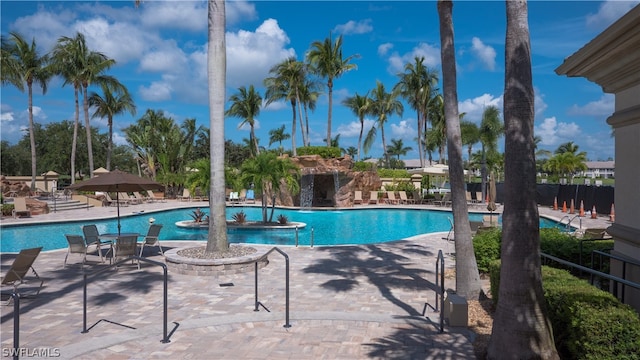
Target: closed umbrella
x: 492, y: 196
x: 116, y: 181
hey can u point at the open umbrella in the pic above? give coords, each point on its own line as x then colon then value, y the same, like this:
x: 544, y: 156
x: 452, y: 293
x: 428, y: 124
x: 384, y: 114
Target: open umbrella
x: 492, y: 196
x: 116, y: 181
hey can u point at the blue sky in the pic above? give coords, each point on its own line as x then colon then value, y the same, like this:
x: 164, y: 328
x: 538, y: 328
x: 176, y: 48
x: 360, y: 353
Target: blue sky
x: 160, y: 49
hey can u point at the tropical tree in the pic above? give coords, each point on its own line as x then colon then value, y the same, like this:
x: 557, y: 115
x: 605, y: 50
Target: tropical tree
x: 491, y: 129
x: 397, y: 148
x: 25, y: 66
x: 82, y: 67
x: 113, y: 102
x: 246, y: 105
x: 352, y: 151
x: 287, y: 84
x: 438, y: 133
x: 359, y: 105
x: 309, y: 94
x: 217, y: 70
x: 269, y: 173
x: 278, y: 135
x: 383, y: 104
x: 326, y: 60
x: 418, y: 85
x: 521, y: 327
x: 467, y: 275
x: 470, y: 134
x: 199, y: 176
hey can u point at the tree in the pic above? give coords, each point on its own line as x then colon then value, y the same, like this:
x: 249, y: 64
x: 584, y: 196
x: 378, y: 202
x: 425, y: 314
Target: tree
x: 268, y: 173
x: 359, y: 105
x: 470, y: 136
x: 217, y: 70
x: 246, y: 105
x: 383, y: 104
x: 491, y: 129
x: 467, y: 275
x: 287, y: 84
x: 325, y: 58
x: 25, y: 66
x: 417, y: 85
x: 114, y: 101
x: 278, y: 135
x: 200, y: 176
x: 397, y: 148
x: 438, y: 131
x: 521, y: 327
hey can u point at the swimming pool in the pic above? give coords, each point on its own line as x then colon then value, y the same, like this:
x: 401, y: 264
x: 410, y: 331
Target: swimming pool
x: 328, y: 227
x: 335, y: 227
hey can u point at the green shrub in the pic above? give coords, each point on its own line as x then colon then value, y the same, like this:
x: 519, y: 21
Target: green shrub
x: 394, y: 173
x: 364, y: 166
x: 563, y: 245
x: 282, y: 219
x: 7, y: 209
x: 587, y: 323
x: 323, y: 151
x: 486, y: 246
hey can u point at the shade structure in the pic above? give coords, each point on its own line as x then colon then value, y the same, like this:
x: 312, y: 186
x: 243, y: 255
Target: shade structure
x: 116, y: 181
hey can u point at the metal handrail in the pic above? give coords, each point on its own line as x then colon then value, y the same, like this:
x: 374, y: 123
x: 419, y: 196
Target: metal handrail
x: 16, y: 324
x: 624, y: 261
x: 165, y: 338
x: 258, y: 303
x: 440, y: 288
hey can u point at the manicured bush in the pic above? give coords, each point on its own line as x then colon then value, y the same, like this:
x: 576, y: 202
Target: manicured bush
x: 394, y: 173
x: 364, y: 166
x: 323, y: 151
x: 7, y: 209
x: 587, y: 323
x: 486, y: 246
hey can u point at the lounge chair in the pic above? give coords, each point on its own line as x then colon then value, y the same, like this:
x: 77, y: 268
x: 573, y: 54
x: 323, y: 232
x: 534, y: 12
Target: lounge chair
x: 234, y: 196
x: 357, y: 197
x: 17, y: 274
x: 479, y: 197
x: 125, y: 246
x: 404, y: 199
x: 251, y: 196
x: 152, y: 238
x: 141, y: 198
x: 20, y: 208
x: 243, y: 195
x: 118, y: 202
x: 186, y: 195
x: 391, y: 198
x: 373, y: 197
x: 128, y: 198
x: 154, y: 197
x: 77, y: 245
x: 445, y: 200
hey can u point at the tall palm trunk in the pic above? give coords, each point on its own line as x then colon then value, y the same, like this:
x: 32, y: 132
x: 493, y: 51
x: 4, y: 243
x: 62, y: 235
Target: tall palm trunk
x: 217, y: 69
x: 467, y: 276
x: 299, y: 103
x: 384, y: 144
x: 330, y: 86
x: 419, y: 119
x: 110, y: 143
x: 360, y: 136
x: 521, y: 328
x: 32, y: 137
x: 85, y: 106
x: 74, y: 141
x: 293, y: 128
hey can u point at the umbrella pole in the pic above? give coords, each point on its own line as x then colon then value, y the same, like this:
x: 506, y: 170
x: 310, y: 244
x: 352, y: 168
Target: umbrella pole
x: 118, y: 209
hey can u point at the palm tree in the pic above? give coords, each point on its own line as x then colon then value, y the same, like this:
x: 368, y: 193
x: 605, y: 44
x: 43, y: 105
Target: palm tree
x: 82, y: 67
x: 438, y: 131
x: 417, y: 85
x: 383, y: 104
x: 217, y: 70
x: 200, y: 176
x: 286, y: 84
x: 351, y: 151
x: 268, y: 173
x: 570, y: 147
x: 246, y: 105
x: 470, y: 134
x: 359, y: 105
x: 25, y: 66
x: 491, y: 129
x: 325, y: 58
x: 309, y: 94
x: 113, y: 102
x: 521, y: 327
x: 397, y: 148
x: 278, y: 135
x: 467, y: 275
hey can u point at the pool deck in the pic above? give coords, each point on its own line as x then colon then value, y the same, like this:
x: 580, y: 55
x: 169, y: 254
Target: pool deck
x: 346, y: 302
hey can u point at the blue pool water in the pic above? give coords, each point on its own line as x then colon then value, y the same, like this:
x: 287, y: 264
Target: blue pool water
x: 344, y: 227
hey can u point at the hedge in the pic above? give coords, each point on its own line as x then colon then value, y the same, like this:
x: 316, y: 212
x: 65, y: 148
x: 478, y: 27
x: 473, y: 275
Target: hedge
x: 324, y: 151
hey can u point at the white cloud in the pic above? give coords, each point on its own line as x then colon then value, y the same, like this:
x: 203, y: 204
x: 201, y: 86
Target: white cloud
x: 554, y: 133
x: 250, y: 55
x: 354, y: 27
x: 184, y: 15
x: 404, y: 130
x: 397, y: 61
x: 352, y: 128
x: 609, y: 12
x: 236, y: 11
x: 384, y: 49
x: 485, y: 53
x: 473, y: 108
x: 276, y: 106
x: 602, y: 107
x: 157, y: 91
x: 166, y: 60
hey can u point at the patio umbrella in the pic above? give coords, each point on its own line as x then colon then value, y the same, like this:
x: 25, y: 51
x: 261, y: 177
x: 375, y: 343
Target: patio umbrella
x: 116, y: 181
x: 492, y: 196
